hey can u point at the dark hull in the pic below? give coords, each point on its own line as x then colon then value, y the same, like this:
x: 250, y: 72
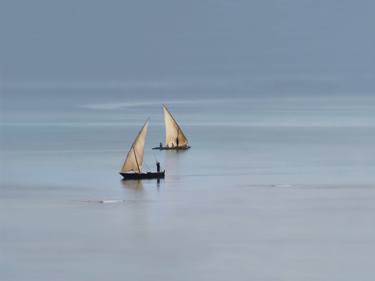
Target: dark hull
x: 172, y: 148
x: 141, y: 176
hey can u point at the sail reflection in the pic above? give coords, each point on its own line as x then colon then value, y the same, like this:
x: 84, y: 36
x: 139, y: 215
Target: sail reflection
x: 135, y: 185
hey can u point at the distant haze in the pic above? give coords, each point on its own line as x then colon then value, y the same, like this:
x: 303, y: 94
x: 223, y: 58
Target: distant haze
x: 70, y: 41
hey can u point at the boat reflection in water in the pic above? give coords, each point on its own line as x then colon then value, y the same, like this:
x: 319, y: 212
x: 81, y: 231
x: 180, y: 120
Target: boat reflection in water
x: 135, y: 185
x: 138, y: 186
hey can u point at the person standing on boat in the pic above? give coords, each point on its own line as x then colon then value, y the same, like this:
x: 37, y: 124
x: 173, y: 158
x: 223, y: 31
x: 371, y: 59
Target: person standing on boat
x: 177, y: 142
x: 158, y: 166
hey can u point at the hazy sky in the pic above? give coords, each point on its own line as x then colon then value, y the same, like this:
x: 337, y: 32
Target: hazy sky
x: 90, y: 40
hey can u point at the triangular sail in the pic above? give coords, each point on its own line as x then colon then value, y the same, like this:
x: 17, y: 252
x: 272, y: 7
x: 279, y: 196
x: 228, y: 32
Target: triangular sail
x: 173, y: 133
x: 134, y: 159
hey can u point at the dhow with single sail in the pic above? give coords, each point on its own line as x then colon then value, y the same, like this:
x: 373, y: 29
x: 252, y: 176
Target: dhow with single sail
x: 175, y: 138
x: 132, y: 167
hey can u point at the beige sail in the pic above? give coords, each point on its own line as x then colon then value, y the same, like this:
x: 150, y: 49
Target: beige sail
x: 173, y: 131
x: 134, y: 159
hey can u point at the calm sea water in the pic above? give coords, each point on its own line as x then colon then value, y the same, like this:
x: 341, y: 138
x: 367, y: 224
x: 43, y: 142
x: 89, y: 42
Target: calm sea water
x: 276, y: 186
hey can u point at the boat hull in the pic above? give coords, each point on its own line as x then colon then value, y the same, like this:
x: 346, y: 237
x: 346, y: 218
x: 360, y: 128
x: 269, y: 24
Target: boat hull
x: 172, y: 148
x: 141, y: 176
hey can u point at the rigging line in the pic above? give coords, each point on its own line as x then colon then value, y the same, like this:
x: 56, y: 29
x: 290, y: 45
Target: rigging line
x: 156, y: 159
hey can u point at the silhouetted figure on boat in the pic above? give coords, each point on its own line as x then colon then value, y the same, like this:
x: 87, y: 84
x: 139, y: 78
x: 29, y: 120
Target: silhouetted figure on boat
x: 158, y: 166
x: 177, y: 142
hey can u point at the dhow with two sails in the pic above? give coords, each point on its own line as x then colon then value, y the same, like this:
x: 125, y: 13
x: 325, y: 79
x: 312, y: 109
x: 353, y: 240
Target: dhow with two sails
x: 175, y: 138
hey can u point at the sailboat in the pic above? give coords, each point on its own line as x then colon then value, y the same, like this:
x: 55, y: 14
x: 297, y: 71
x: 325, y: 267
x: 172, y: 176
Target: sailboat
x: 132, y: 167
x: 175, y: 138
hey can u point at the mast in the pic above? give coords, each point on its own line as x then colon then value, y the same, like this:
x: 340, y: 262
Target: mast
x: 134, y: 158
